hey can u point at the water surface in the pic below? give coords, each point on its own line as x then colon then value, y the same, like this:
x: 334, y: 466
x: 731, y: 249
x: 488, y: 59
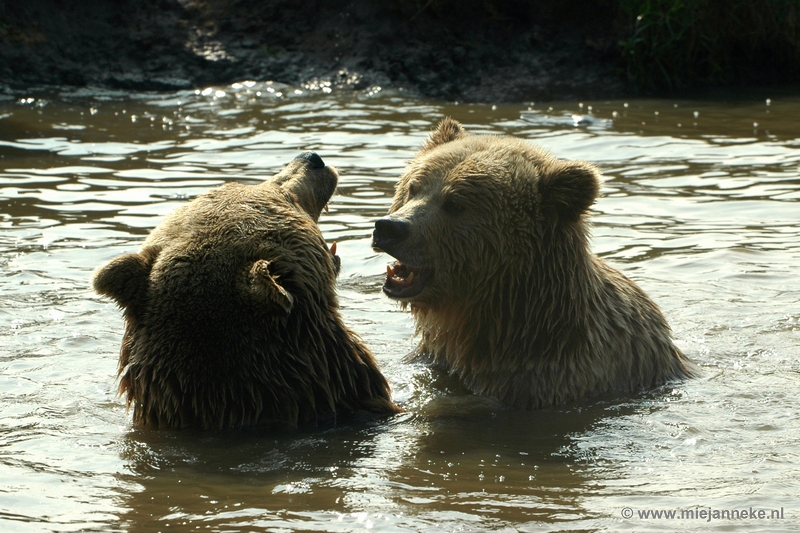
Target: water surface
x: 701, y: 206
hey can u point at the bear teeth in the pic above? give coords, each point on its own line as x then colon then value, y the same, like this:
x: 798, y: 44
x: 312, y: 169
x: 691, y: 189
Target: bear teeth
x: 333, y: 248
x: 404, y: 281
x: 395, y: 275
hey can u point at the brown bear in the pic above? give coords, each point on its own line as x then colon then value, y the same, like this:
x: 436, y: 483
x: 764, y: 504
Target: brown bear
x: 231, y: 312
x: 490, y: 234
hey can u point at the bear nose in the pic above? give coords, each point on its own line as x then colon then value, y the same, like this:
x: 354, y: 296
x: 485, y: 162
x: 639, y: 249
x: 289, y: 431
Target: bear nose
x: 313, y: 158
x: 389, y: 232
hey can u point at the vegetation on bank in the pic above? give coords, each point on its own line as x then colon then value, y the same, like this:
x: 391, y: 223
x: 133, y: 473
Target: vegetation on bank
x: 675, y: 44
x: 671, y: 44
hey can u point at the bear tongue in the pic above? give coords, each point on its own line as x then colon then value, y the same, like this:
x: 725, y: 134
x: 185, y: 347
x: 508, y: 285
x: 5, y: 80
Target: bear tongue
x: 337, y: 262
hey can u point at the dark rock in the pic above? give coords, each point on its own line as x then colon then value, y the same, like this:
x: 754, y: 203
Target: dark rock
x: 466, y: 51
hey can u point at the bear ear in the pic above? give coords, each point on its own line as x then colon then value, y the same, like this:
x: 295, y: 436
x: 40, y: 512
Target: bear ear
x: 125, y: 278
x: 569, y: 188
x: 448, y: 130
x: 264, y: 286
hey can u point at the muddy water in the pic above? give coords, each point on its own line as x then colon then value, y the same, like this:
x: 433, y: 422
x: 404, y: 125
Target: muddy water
x: 701, y: 206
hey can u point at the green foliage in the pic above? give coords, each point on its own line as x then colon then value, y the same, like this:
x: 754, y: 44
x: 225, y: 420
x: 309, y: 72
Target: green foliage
x: 679, y: 43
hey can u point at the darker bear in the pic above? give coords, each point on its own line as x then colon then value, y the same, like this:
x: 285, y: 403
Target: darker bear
x: 231, y: 312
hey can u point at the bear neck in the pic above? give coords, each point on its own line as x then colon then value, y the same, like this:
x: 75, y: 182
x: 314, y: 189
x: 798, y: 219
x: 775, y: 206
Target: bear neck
x: 524, y: 319
x: 318, y: 372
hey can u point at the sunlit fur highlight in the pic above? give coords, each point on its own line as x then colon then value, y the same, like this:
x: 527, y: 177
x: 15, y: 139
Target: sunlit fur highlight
x: 232, y: 316
x: 518, y: 306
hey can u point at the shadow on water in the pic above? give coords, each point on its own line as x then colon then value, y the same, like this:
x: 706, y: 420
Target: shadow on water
x: 191, y: 477
x: 452, y: 459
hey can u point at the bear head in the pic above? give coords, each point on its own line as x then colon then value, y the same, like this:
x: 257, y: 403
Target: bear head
x: 231, y: 311
x: 466, y: 201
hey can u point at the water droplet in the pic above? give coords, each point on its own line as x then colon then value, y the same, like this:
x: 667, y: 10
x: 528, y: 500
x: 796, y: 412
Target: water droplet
x: 625, y: 105
x: 769, y: 101
x: 614, y: 114
x: 696, y: 114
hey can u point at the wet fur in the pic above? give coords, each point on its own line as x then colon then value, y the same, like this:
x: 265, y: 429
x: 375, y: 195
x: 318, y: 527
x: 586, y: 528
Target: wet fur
x: 232, y: 317
x: 518, y: 306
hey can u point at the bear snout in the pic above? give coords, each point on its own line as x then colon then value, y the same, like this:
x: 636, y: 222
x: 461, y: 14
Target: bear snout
x: 389, y: 232
x: 313, y: 158
x: 309, y: 182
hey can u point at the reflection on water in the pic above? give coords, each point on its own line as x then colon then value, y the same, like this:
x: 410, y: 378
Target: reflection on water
x: 700, y: 206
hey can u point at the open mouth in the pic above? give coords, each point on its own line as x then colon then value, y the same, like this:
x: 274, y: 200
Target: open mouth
x: 337, y: 261
x: 404, y: 281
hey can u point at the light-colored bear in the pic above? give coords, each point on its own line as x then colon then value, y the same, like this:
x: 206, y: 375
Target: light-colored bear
x: 490, y: 234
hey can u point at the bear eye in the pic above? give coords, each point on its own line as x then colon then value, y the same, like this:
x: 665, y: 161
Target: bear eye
x: 413, y: 189
x: 452, y: 205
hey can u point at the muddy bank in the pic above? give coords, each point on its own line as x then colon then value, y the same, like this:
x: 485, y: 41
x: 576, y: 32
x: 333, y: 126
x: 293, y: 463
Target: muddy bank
x: 466, y: 51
